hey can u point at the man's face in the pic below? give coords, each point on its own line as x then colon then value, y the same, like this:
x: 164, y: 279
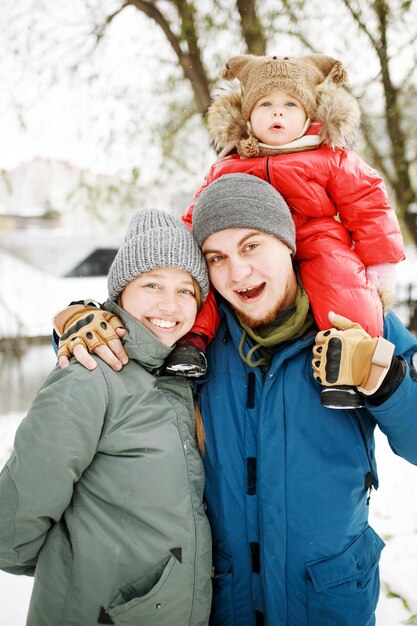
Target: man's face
x: 253, y: 271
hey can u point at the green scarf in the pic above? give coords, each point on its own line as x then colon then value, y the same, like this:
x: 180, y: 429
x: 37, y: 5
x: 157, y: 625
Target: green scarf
x: 290, y: 324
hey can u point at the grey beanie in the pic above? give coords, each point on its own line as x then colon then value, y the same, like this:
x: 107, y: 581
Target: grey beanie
x: 153, y: 239
x: 242, y: 201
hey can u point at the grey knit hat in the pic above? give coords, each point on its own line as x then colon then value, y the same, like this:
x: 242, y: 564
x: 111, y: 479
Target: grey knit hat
x: 242, y: 201
x: 153, y: 239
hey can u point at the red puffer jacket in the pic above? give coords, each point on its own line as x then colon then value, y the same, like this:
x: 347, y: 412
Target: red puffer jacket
x: 319, y: 185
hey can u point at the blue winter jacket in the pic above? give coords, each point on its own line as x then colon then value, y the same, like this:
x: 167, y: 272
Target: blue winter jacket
x: 288, y: 482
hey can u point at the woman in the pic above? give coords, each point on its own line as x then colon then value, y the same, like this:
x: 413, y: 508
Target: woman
x: 101, y: 499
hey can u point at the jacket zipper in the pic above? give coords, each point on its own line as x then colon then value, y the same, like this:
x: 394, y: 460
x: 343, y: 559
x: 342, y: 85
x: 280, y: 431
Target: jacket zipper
x: 370, y: 477
x: 267, y: 170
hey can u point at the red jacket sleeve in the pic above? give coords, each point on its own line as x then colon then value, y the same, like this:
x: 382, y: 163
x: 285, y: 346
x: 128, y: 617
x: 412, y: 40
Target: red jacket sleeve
x: 363, y: 206
x: 187, y: 216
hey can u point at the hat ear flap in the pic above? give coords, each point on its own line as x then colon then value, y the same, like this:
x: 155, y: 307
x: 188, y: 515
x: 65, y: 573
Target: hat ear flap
x: 338, y: 74
x: 332, y: 69
x: 234, y: 67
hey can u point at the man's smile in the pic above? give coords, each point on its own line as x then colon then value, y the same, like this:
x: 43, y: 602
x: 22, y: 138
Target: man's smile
x: 250, y: 293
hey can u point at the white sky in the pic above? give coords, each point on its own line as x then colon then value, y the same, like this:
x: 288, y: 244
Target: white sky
x: 70, y: 119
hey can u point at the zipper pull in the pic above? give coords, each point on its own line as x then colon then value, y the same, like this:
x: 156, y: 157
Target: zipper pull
x: 369, y: 482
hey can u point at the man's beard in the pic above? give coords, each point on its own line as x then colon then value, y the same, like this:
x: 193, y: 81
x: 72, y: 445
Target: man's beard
x: 267, y: 319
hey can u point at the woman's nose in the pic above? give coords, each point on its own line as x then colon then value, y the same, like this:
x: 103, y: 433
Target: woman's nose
x: 168, y: 304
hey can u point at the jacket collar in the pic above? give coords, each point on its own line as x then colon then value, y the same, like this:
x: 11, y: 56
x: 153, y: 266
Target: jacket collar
x: 337, y: 111
x: 235, y: 330
x: 140, y: 344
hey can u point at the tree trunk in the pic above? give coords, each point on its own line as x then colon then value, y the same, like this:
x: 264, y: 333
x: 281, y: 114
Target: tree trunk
x: 403, y: 188
x: 252, y: 31
x: 190, y: 60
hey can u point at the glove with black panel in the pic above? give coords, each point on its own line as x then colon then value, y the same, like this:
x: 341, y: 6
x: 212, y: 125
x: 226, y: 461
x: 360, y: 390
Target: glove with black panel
x: 84, y: 324
x: 347, y: 355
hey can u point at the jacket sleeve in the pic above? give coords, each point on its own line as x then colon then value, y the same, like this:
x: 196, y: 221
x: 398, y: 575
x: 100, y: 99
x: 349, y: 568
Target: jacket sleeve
x: 397, y: 416
x: 187, y: 216
x: 53, y: 446
x: 363, y: 206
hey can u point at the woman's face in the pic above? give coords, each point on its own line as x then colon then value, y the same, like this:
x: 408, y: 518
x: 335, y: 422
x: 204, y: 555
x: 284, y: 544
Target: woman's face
x: 164, y: 301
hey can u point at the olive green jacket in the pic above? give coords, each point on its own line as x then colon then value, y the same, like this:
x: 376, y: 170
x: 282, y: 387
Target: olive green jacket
x: 102, y: 498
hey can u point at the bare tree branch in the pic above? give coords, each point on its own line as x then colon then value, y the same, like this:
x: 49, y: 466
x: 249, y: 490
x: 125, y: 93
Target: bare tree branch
x: 296, y: 33
x: 101, y: 29
x: 377, y: 157
x: 189, y: 61
x: 361, y: 24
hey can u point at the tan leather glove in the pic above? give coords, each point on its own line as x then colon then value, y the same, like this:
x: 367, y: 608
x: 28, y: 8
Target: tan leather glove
x: 85, y: 325
x: 347, y: 355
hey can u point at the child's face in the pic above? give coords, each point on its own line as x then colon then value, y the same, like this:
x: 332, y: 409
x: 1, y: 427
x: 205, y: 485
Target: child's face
x: 277, y: 118
x: 164, y: 301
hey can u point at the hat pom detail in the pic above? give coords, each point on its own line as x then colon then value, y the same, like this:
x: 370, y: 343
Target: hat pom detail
x: 338, y: 75
x: 248, y: 147
x: 227, y: 74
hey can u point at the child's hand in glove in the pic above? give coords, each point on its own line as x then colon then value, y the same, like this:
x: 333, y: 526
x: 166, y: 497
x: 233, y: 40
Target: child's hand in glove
x: 347, y: 355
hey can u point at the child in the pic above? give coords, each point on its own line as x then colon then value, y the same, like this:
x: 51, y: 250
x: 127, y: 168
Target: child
x: 291, y: 123
x: 101, y: 500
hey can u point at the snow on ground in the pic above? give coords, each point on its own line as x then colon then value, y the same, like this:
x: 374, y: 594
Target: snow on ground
x: 393, y: 515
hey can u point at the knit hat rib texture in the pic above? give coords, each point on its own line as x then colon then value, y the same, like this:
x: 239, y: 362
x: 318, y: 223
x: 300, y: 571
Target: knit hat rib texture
x: 242, y: 201
x: 154, y: 239
x: 297, y: 76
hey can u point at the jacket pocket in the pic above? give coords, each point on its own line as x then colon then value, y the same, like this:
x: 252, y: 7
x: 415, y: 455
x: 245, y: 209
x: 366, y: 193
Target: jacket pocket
x: 222, y: 606
x: 164, y: 604
x: 343, y: 589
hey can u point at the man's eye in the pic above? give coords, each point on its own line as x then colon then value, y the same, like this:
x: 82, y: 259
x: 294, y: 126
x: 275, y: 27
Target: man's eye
x: 250, y: 246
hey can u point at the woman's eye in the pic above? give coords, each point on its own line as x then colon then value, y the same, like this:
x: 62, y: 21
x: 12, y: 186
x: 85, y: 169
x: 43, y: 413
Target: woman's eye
x: 216, y: 259
x: 187, y: 292
x: 251, y: 246
x: 152, y: 286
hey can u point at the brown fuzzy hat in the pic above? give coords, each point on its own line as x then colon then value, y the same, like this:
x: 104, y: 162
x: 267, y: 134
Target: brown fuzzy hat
x: 297, y: 76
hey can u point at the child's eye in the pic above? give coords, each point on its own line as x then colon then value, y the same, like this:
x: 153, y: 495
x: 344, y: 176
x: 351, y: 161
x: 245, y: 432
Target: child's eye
x: 291, y: 104
x: 265, y: 104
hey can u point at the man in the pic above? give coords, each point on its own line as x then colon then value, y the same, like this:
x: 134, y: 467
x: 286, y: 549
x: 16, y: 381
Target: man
x: 288, y: 481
